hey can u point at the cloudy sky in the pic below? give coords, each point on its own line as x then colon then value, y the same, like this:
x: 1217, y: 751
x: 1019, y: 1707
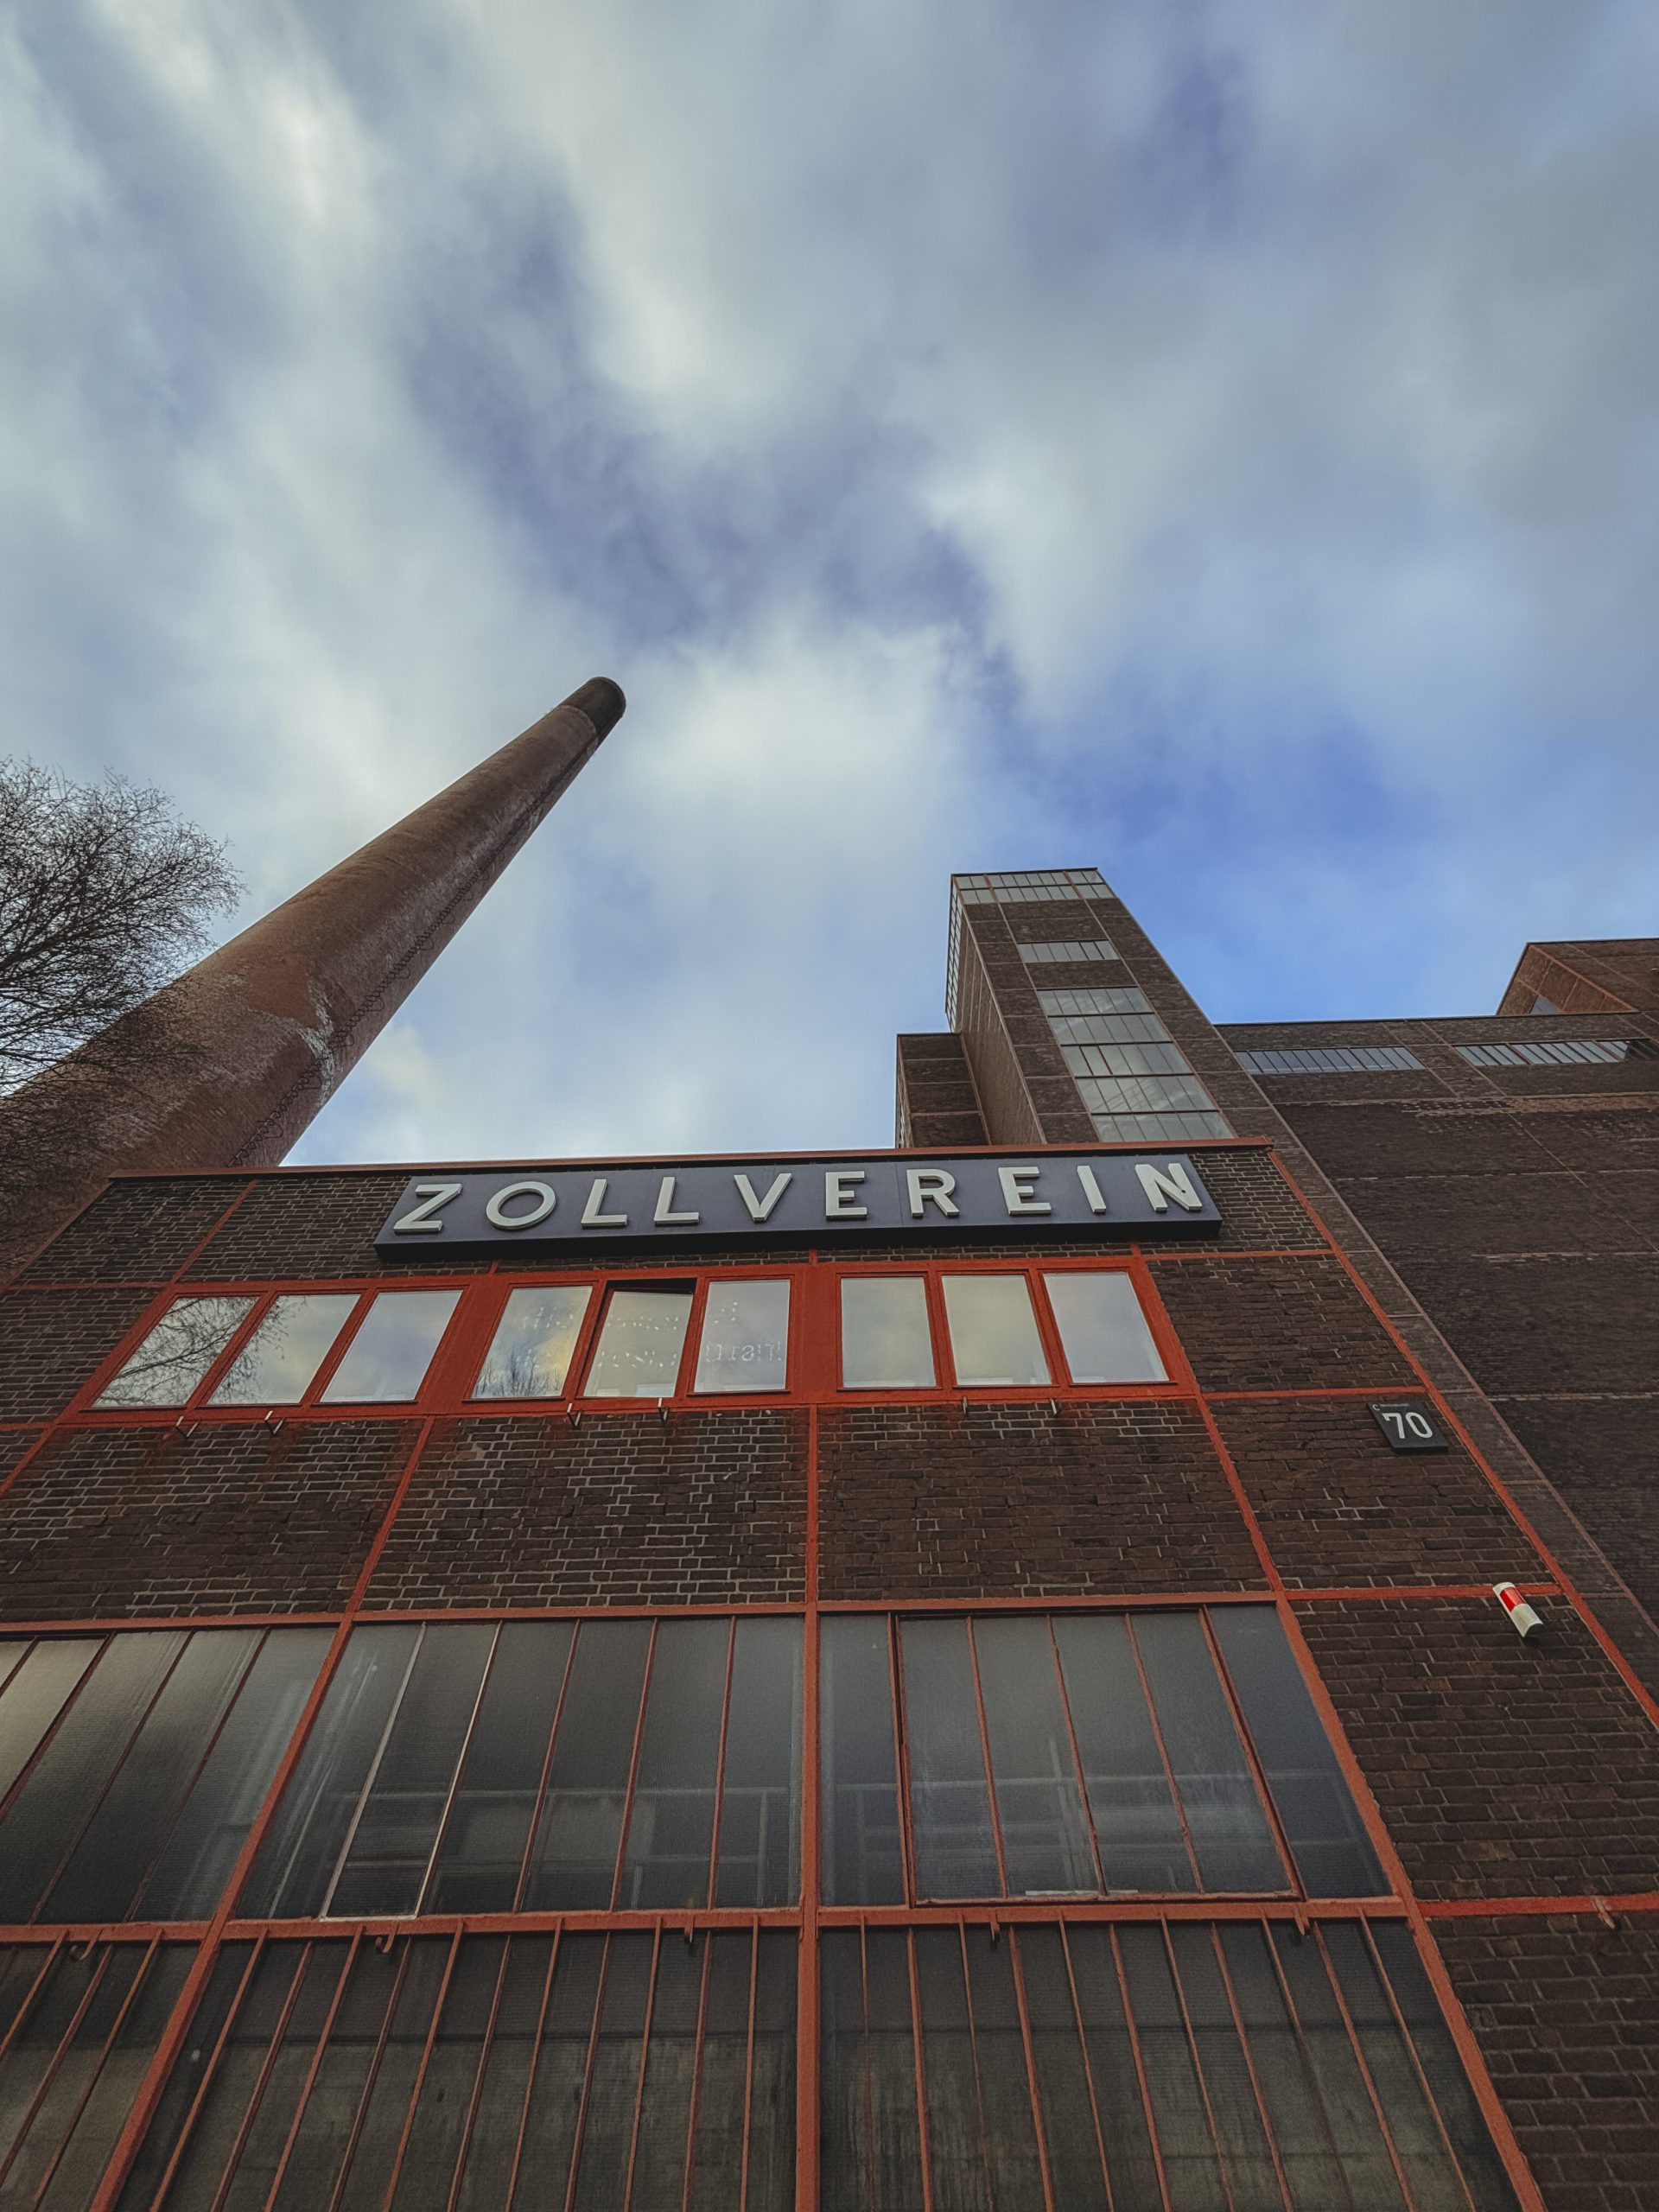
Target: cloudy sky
x: 1214, y: 440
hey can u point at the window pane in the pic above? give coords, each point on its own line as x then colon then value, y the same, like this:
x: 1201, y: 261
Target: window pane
x: 1102, y: 1330
x: 295, y: 1864
x: 871, y: 2132
x: 759, y: 1826
x: 639, y: 1343
x: 862, y: 1863
x: 672, y: 1821
x: 885, y: 1345
x: 1333, y: 1855
x: 36, y: 1691
x: 1225, y: 1816
x: 384, y: 1867
x: 276, y: 1365
x: 744, y: 1336
x: 575, y: 1856
x: 178, y: 1351
x: 1046, y: 1849
x: 1137, y: 1825
x: 388, y: 1357
x: 993, y: 1329
x: 487, y: 1830
x: 950, y: 1809
x: 529, y: 1354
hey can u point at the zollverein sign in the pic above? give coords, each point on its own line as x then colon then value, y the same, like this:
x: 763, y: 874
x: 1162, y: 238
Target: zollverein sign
x: 556, y: 1212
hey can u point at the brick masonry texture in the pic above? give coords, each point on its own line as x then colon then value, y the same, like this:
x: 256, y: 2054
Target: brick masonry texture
x: 1276, y: 1324
x: 52, y: 1340
x: 225, y: 1518
x: 1549, y: 1321
x: 1015, y: 1501
x: 1601, y: 1454
x: 1340, y: 1509
x: 137, y: 1231
x: 1503, y: 1767
x: 620, y: 1510
x: 300, y: 1226
x: 1260, y: 1211
x: 1565, y: 2011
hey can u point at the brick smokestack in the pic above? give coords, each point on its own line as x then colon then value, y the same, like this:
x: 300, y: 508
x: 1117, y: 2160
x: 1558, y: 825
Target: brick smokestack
x: 228, y: 1065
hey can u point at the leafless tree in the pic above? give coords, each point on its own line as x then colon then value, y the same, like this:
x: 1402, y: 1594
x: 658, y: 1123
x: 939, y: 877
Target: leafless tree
x: 104, y: 890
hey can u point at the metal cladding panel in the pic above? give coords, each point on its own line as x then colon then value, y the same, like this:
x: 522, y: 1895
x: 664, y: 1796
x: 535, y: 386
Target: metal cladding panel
x: 555, y: 1212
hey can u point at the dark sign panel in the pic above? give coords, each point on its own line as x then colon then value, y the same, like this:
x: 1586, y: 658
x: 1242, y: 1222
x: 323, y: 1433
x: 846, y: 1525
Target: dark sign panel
x: 558, y: 1210
x: 1410, y: 1426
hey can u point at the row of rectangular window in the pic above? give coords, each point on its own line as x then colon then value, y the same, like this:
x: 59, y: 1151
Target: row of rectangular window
x: 1136, y: 1084
x: 1154, y: 1129
x: 1563, y: 1052
x: 210, y: 1351
x: 1097, y: 1000
x: 1132, y: 1060
x: 1329, y: 1059
x: 655, y: 1765
x: 1190, y: 2066
x: 1064, y: 879
x: 1095, y: 948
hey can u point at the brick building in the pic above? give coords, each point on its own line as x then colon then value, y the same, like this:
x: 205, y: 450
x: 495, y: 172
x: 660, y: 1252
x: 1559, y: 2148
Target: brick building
x: 956, y: 1680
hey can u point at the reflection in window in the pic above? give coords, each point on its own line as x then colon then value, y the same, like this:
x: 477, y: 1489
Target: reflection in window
x: 1080, y: 1754
x: 175, y: 1357
x: 993, y: 1329
x: 542, y: 1767
x: 529, y: 1354
x: 276, y: 1364
x: 577, y: 2069
x: 885, y: 1343
x: 387, y: 1359
x: 745, y: 1344
x: 152, y: 1752
x: 639, y: 1342
x: 1104, y: 1333
x: 1143, y: 2066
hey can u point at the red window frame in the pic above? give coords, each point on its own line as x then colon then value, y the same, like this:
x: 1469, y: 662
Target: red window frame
x: 812, y: 1372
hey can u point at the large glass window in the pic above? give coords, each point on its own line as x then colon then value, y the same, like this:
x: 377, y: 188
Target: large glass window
x: 278, y: 1362
x: 640, y: 1340
x: 1103, y: 2069
x: 132, y: 1765
x: 992, y: 1330
x: 545, y: 1767
x: 1104, y: 1333
x: 387, y: 1359
x: 745, y: 1342
x: 534, y: 1343
x: 886, y: 1343
x: 588, y: 2070
x: 175, y: 1357
x: 1083, y: 1755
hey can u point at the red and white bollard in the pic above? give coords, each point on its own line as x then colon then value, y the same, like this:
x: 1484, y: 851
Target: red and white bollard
x: 1526, y: 1622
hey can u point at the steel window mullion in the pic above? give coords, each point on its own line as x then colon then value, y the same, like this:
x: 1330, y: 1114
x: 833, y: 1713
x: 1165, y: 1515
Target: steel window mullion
x: 720, y: 1770
x: 540, y: 1806
x: 1222, y: 2163
x: 973, y: 2050
x: 1280, y: 1841
x: 533, y: 2068
x: 262, y: 2081
x: 49, y: 1954
x: 312, y: 2071
x: 748, y: 2068
x: 1406, y: 2190
x: 367, y: 1788
x: 1310, y: 2073
x: 1077, y: 1758
x: 1242, y: 2034
x: 218, y: 1730
x: 1410, y: 2042
x: 690, y: 2166
x: 644, y: 2061
x: 487, y: 1670
x: 901, y: 1760
x: 581, y: 2127
x: 1039, y: 2128
x: 240, y: 1337
x: 419, y: 2083
x: 51, y: 2074
x: 257, y: 1951
x: 485, y: 2050
x: 366, y: 2095
x: 1147, y: 2114
x: 985, y: 1753
x: 1061, y: 1929
x: 626, y: 1827
x: 924, y: 2151
x: 1163, y: 1754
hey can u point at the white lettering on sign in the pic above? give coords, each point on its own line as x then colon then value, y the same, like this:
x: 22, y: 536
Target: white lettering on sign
x: 1092, y: 1192
x: 419, y: 1221
x: 761, y: 1209
x: 666, y: 1216
x: 930, y: 1187
x: 839, y: 1200
x: 591, y: 1215
x: 1015, y: 1195
x: 542, y: 1201
x: 1161, y: 1185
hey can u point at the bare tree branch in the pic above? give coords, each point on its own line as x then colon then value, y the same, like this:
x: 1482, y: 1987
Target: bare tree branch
x: 104, y: 895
